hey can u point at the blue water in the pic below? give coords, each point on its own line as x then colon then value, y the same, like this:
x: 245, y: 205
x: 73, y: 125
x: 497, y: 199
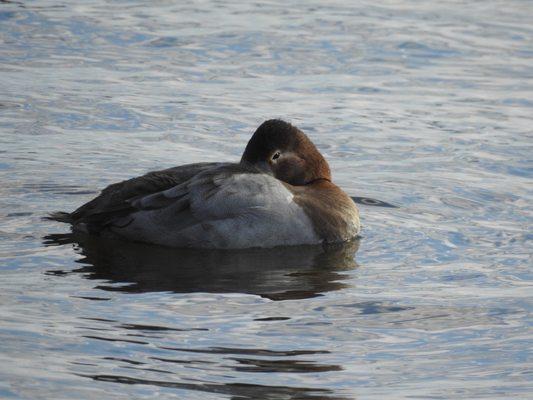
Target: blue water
x: 426, y: 105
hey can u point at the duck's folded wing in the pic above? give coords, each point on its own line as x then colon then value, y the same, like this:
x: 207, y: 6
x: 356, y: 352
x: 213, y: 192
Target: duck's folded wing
x: 218, y: 192
x: 115, y: 200
x: 221, y: 207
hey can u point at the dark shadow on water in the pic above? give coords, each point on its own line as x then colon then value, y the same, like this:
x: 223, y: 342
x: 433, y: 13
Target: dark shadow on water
x: 367, y: 201
x: 237, y: 391
x: 282, y: 273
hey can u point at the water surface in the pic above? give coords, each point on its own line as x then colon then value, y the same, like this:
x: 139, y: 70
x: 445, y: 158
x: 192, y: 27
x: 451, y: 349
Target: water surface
x: 425, y: 105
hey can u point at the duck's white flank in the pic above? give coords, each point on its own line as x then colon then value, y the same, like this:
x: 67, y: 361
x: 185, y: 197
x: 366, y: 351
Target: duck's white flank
x: 217, y: 209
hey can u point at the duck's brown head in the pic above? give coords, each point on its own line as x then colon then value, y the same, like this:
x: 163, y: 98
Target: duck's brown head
x: 286, y: 152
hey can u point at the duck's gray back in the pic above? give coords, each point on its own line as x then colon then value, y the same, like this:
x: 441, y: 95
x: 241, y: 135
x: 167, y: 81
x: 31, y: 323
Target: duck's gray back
x: 115, y: 199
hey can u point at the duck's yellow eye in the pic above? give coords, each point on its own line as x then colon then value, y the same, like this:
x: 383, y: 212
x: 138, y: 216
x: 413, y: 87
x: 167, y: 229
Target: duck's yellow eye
x: 276, y: 155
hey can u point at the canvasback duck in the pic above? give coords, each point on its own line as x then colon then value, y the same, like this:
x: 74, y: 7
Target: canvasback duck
x: 280, y: 193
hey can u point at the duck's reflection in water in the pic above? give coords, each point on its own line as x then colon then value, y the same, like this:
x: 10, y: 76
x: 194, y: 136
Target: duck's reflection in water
x: 277, y: 274
x: 237, y: 391
x: 281, y: 273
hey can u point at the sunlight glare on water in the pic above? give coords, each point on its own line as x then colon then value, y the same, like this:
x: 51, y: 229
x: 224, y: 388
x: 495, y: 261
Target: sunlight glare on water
x: 425, y: 105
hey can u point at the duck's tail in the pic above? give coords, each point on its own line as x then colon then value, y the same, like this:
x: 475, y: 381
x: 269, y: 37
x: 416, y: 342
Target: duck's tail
x: 60, y: 216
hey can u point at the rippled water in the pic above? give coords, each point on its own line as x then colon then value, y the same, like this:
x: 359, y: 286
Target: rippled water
x: 427, y: 105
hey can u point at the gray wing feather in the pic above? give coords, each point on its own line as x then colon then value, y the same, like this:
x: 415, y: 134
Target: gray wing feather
x: 123, y: 198
x: 161, y: 199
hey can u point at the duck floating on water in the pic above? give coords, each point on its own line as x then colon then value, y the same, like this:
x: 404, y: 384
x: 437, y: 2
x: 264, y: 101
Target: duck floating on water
x: 280, y: 194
